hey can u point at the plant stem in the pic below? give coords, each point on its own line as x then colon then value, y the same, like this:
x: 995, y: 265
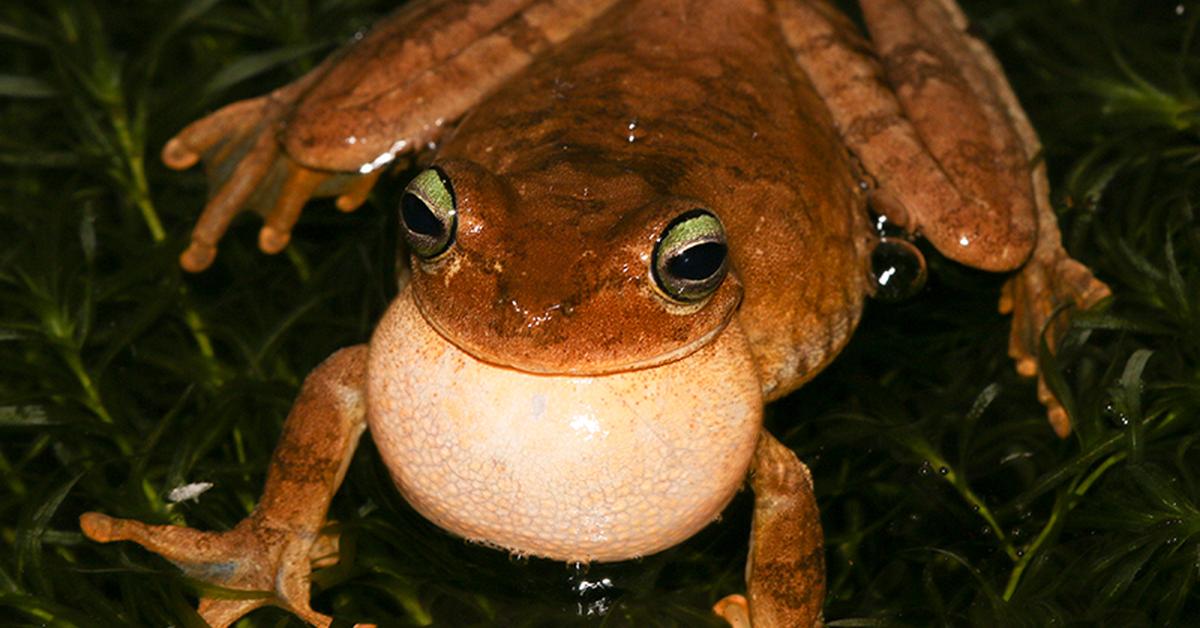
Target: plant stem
x: 977, y: 504
x: 141, y: 198
x: 137, y: 172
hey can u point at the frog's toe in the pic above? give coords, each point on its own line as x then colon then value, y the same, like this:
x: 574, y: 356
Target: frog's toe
x: 1042, y: 298
x: 250, y: 557
x: 220, y: 127
x: 734, y: 609
x: 231, y: 197
x: 356, y: 191
x: 299, y: 186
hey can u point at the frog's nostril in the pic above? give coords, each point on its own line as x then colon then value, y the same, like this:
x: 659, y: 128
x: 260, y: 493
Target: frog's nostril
x: 898, y: 268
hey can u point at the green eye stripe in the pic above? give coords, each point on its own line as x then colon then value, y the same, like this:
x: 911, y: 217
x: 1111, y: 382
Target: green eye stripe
x: 702, y: 227
x: 432, y: 187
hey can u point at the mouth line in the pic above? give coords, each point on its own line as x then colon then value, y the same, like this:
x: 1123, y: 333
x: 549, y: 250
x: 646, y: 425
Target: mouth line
x: 666, y: 357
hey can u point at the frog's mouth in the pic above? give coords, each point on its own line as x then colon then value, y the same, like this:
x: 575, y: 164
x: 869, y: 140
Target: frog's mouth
x: 570, y: 467
x: 552, y: 348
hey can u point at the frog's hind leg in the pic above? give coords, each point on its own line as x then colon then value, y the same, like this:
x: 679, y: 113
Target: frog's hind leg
x: 274, y: 549
x: 785, y: 572
x: 1041, y: 297
x: 933, y: 138
x: 951, y: 154
x: 1050, y: 283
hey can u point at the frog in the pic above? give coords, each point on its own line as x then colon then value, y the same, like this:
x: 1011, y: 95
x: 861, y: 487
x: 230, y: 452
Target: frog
x: 635, y: 224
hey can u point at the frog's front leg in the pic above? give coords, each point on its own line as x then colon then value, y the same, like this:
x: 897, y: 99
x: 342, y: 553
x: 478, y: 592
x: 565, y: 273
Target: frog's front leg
x: 392, y: 92
x: 273, y: 549
x: 785, y: 572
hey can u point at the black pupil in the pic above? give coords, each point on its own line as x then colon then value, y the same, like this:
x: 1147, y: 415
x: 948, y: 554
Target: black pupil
x: 419, y: 219
x: 697, y: 263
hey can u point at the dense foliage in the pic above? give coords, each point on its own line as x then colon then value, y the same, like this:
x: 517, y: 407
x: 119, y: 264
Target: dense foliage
x: 945, y: 496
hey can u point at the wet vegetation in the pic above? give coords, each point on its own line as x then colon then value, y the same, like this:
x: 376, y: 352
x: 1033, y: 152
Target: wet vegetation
x: 945, y: 497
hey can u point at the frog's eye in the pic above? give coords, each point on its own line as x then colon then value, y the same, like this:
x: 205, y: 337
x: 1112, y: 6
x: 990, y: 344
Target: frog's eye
x: 429, y: 214
x: 690, y: 259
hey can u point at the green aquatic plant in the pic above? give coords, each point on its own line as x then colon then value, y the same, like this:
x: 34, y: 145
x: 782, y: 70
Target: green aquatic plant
x: 945, y: 497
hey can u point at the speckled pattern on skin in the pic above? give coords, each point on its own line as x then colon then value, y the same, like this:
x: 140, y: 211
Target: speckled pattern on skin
x: 480, y: 449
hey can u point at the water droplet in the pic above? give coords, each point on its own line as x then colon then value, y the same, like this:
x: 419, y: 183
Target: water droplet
x: 944, y: 470
x: 518, y: 558
x: 631, y: 127
x: 898, y: 268
x: 1115, y: 417
x: 925, y: 469
x: 595, y: 597
x: 579, y: 568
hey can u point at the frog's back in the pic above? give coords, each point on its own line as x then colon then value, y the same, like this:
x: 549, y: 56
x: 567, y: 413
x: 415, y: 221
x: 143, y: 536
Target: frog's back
x: 695, y: 100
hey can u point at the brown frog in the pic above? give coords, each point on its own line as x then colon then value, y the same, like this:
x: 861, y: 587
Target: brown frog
x: 644, y: 219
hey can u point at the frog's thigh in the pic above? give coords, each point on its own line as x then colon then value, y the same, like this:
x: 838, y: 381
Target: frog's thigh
x: 272, y: 550
x: 785, y: 572
x: 932, y: 130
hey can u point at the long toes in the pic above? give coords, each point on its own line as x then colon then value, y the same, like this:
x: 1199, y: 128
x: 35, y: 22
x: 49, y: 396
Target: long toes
x: 186, y: 148
x: 325, y: 551
x: 228, y: 201
x: 1060, y: 421
x: 299, y: 186
x: 178, y: 155
x: 734, y: 609
x: 191, y: 549
x: 356, y: 191
x: 98, y: 527
x: 220, y: 612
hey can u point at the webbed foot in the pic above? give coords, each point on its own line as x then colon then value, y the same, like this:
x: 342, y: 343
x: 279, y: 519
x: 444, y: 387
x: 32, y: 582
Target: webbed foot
x: 1041, y: 297
x: 251, y: 557
x: 268, y: 558
x: 247, y: 169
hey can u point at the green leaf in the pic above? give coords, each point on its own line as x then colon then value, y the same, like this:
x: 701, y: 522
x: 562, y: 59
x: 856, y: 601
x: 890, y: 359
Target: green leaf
x: 17, y: 86
x: 253, y: 65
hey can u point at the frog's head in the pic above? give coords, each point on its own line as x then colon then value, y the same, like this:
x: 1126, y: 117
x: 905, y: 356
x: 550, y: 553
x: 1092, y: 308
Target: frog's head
x: 564, y: 374
x: 566, y: 272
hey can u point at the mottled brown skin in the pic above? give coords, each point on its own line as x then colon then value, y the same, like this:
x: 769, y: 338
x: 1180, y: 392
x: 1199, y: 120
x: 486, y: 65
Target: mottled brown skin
x: 581, y: 129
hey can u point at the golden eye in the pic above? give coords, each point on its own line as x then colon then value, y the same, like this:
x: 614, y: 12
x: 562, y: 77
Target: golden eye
x: 691, y: 257
x: 429, y: 214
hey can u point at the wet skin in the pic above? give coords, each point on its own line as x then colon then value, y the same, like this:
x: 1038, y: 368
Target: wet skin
x: 641, y: 222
